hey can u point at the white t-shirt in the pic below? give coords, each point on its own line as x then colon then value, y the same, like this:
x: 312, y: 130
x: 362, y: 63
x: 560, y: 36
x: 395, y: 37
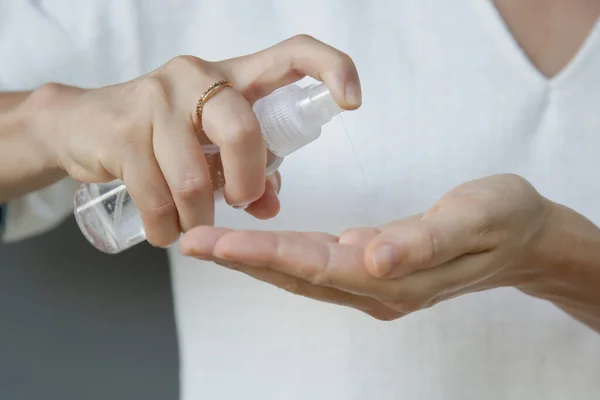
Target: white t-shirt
x: 448, y: 97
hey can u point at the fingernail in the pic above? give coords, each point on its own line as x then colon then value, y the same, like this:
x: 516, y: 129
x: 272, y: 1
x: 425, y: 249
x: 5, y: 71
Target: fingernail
x: 385, y: 259
x: 353, y: 94
x: 241, y: 206
x: 275, y: 183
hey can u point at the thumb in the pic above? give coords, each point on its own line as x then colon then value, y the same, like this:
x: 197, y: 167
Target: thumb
x: 418, y: 244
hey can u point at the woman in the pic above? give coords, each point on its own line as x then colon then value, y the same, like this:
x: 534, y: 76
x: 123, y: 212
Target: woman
x: 476, y: 143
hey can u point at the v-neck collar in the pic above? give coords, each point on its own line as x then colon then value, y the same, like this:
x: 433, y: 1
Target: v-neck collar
x: 505, y: 38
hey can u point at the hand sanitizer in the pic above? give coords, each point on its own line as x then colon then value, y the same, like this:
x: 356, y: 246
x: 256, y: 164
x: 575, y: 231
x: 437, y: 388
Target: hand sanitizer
x: 290, y: 118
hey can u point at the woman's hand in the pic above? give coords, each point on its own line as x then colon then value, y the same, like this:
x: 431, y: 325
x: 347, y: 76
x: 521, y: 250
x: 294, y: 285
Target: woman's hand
x: 493, y: 232
x: 145, y: 132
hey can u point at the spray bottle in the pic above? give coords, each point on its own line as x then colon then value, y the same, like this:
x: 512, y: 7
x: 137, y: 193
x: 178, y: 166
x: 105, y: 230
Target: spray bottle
x: 290, y: 118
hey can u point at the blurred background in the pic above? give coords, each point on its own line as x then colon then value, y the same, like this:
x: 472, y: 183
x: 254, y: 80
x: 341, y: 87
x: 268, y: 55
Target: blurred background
x: 78, y: 324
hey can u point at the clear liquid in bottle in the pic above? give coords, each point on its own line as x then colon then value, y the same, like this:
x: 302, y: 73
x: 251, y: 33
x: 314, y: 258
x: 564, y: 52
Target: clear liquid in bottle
x: 111, y: 222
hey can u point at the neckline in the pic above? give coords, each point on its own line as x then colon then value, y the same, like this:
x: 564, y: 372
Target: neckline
x: 505, y: 38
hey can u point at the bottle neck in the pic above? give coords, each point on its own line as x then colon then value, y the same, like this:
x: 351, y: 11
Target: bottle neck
x: 292, y: 117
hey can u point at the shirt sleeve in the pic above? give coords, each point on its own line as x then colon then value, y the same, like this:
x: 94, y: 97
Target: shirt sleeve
x: 37, y: 212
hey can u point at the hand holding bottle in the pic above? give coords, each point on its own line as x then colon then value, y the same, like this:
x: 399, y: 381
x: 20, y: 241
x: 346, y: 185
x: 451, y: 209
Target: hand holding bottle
x: 145, y: 131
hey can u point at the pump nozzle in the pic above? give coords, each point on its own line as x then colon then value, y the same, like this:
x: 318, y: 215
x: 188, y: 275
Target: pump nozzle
x: 292, y: 117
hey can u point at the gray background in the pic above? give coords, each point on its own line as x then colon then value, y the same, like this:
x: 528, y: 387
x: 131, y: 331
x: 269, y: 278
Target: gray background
x: 78, y: 324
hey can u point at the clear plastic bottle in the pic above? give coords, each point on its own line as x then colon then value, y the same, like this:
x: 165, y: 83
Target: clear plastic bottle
x: 290, y: 118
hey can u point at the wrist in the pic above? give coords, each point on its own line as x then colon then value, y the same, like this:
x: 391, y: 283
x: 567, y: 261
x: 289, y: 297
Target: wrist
x: 44, y: 115
x: 28, y: 145
x: 568, y: 256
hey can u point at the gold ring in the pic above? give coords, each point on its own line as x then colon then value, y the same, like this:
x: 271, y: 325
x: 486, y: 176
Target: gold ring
x: 211, y: 91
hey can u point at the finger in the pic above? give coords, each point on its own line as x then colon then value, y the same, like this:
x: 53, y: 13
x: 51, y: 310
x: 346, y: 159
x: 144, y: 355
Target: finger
x: 229, y: 122
x: 181, y: 159
x: 316, y: 258
x: 200, y: 241
x: 150, y: 193
x: 268, y: 205
x: 303, y: 288
x: 259, y: 74
x: 358, y: 237
x: 418, y: 244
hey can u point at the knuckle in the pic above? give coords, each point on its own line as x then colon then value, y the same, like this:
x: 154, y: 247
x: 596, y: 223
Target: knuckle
x: 159, y: 209
x: 184, y: 64
x: 339, y: 59
x: 301, y: 39
x: 154, y: 89
x: 190, y: 189
x: 242, y: 132
x: 343, y: 60
x: 429, y: 243
x: 45, y: 95
x: 516, y: 180
x: 480, y: 221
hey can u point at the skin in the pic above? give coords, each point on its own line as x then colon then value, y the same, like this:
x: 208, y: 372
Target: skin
x: 145, y: 132
x: 493, y: 232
